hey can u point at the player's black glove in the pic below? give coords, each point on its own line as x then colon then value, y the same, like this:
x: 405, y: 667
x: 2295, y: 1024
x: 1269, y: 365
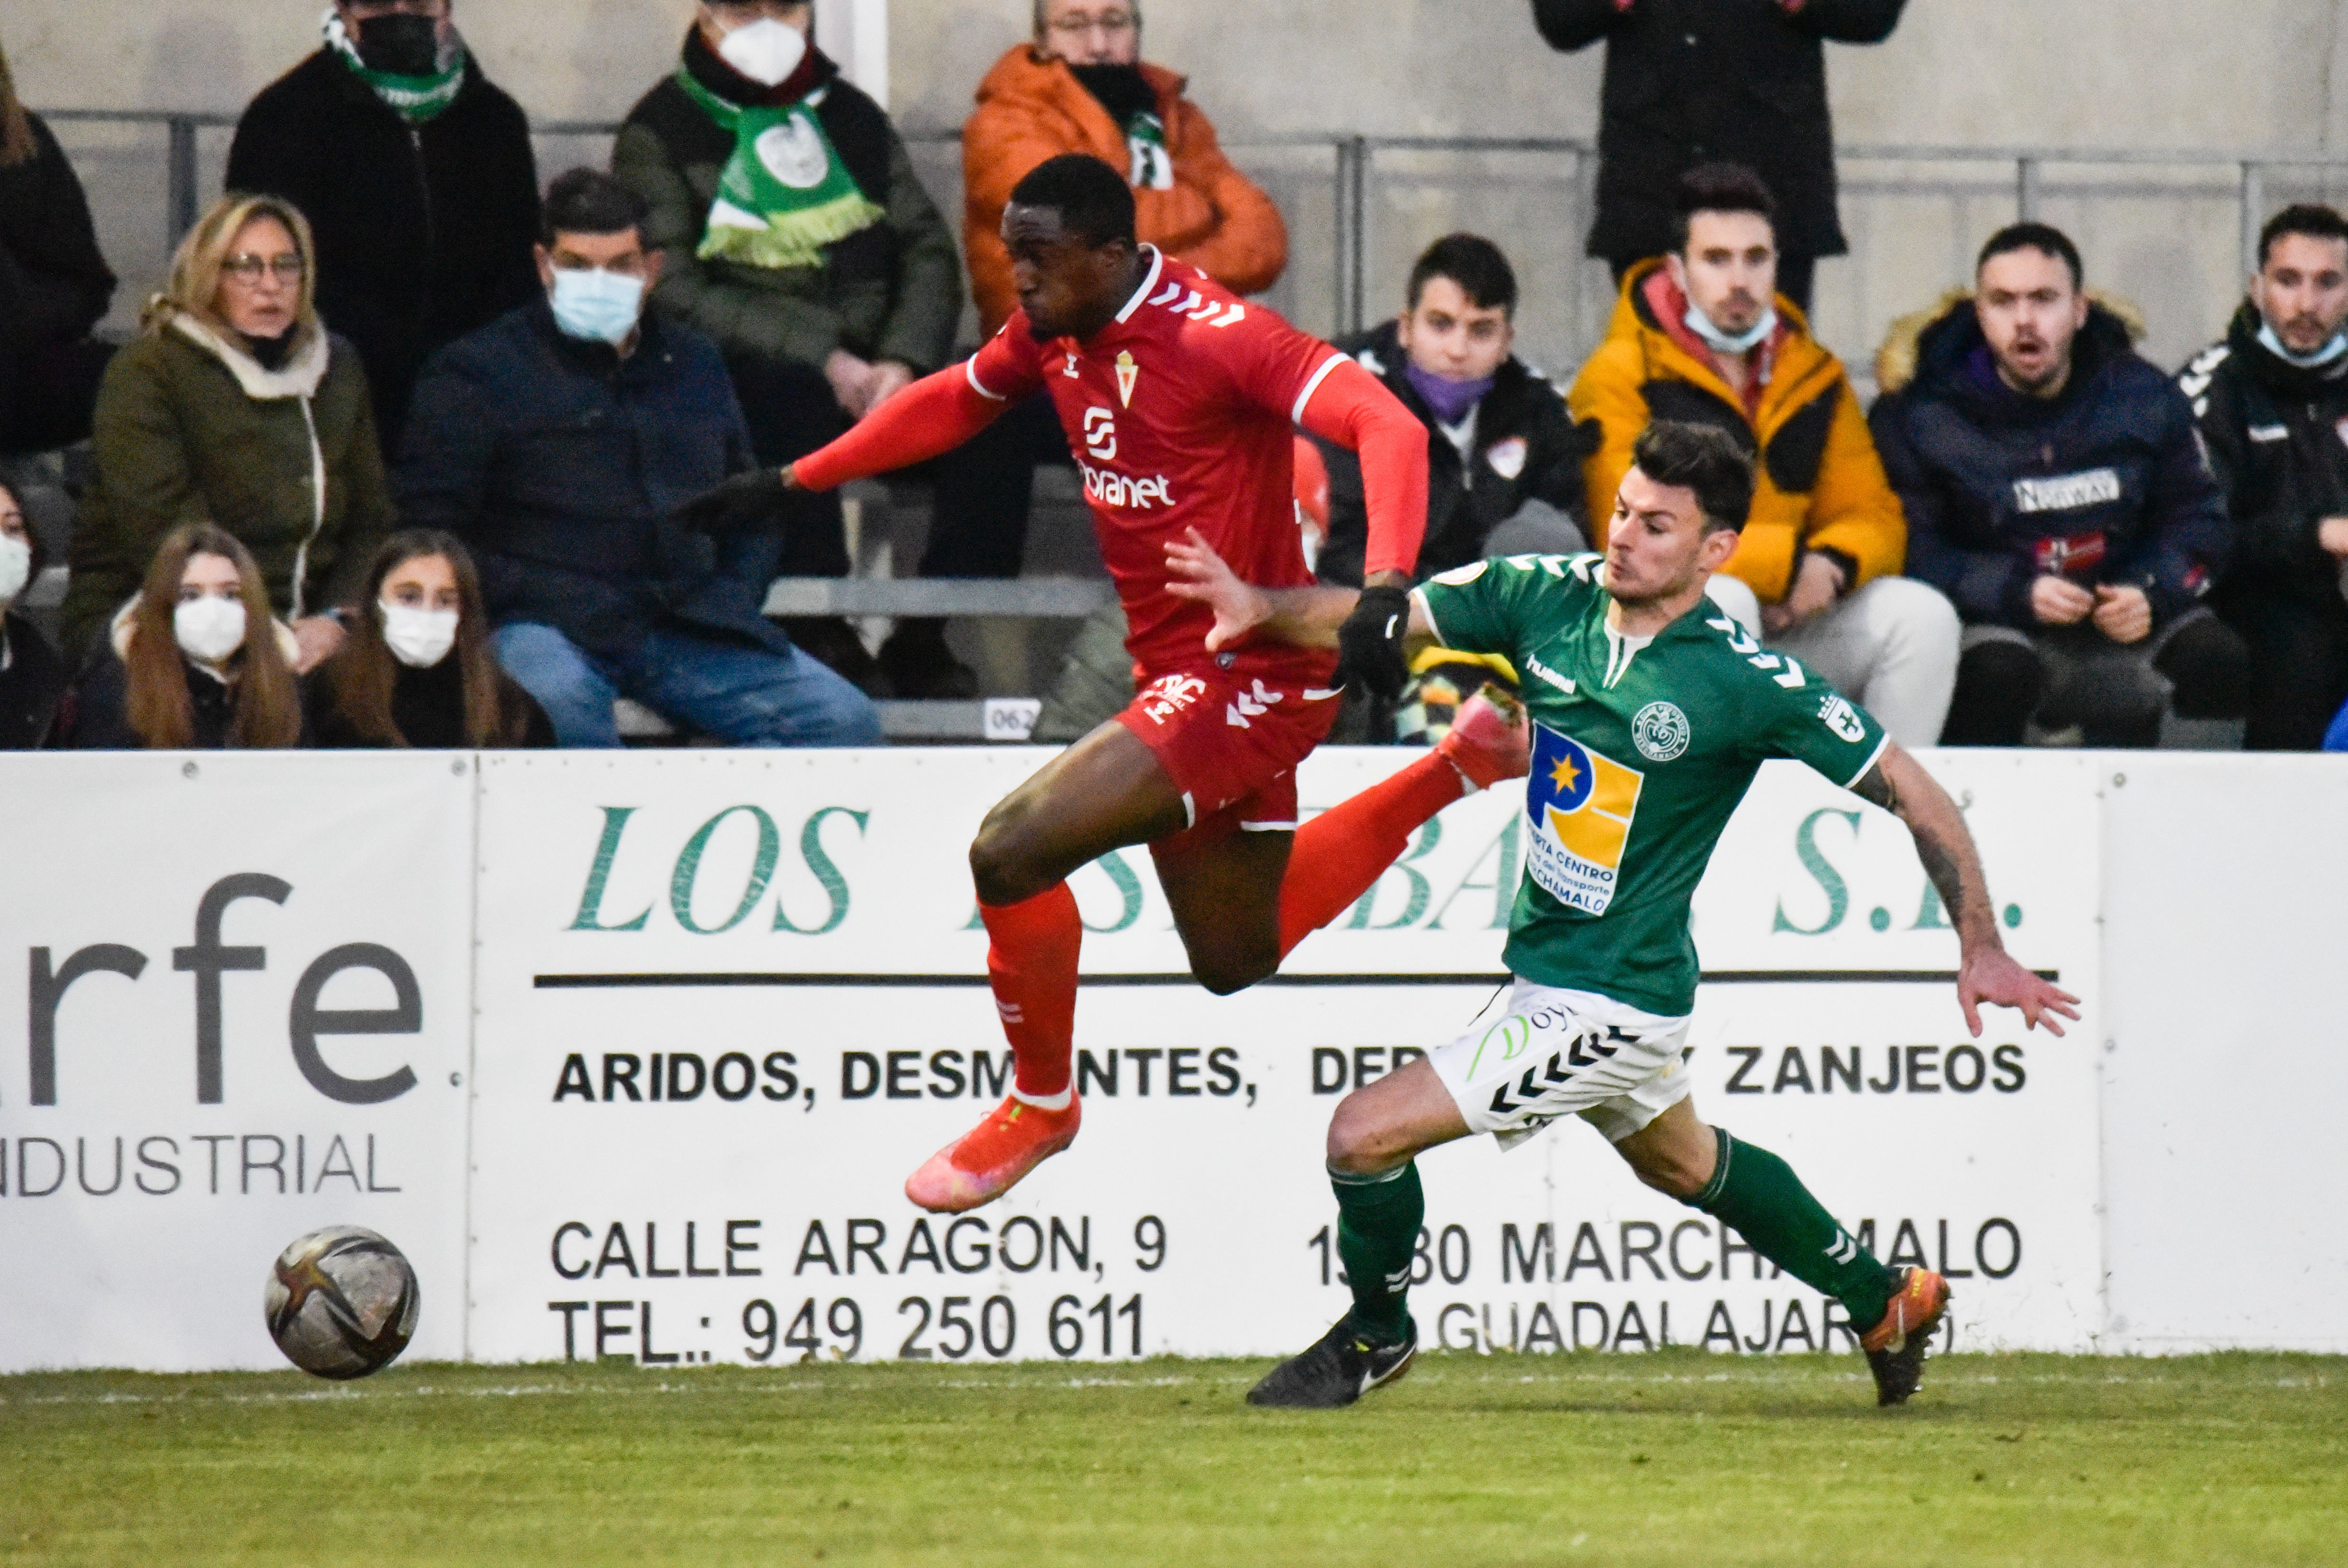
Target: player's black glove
x: 743, y: 501
x: 1369, y: 644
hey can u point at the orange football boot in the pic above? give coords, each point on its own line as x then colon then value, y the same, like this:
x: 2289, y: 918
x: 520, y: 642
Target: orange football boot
x: 989, y: 1160
x: 1895, y: 1346
x: 1490, y: 739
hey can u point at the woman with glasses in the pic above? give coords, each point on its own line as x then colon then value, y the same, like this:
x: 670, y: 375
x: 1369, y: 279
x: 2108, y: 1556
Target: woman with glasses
x: 236, y: 406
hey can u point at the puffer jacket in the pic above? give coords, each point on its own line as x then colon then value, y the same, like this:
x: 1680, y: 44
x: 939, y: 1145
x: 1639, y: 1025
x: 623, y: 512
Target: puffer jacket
x: 192, y: 429
x: 1817, y: 483
x: 1029, y: 110
x: 2277, y: 437
x: 890, y: 290
x: 1525, y: 448
x: 2104, y: 483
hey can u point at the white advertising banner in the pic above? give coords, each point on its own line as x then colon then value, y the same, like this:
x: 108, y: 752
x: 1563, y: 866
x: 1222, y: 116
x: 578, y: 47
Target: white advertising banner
x: 727, y: 1002
x: 233, y: 1008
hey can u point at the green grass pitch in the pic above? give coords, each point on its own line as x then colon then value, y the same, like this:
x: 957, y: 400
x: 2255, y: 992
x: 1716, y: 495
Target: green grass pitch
x: 1671, y: 1458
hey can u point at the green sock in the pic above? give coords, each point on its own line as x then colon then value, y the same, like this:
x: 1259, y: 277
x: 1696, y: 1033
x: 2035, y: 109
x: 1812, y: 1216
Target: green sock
x: 1757, y: 1195
x: 1377, y: 1237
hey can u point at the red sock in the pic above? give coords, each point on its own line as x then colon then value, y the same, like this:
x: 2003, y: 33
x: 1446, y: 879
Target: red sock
x: 1340, y: 854
x: 1031, y: 962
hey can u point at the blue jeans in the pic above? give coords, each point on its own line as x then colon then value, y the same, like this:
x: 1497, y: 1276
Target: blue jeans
x: 744, y: 696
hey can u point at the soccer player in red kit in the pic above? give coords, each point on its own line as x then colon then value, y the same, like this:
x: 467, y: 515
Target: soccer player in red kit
x: 1179, y: 403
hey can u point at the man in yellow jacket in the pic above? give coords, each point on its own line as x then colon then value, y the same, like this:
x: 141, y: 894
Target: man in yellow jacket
x: 1701, y: 334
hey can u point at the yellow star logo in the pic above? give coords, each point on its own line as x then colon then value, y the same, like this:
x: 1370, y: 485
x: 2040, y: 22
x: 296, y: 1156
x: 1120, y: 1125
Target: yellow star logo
x: 1565, y: 776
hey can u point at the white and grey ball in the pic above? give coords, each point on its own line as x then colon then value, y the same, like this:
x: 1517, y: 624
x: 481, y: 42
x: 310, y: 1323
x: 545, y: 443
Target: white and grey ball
x: 341, y: 1302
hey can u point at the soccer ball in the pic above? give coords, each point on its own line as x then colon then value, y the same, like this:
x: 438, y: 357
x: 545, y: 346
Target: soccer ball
x: 341, y: 1302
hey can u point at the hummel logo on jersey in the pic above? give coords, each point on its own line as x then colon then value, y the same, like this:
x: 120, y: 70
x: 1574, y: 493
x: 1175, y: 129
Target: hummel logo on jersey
x: 1562, y: 682
x: 1198, y: 308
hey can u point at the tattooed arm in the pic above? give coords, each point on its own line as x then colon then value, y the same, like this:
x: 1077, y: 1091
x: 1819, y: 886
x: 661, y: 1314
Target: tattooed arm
x: 1986, y: 973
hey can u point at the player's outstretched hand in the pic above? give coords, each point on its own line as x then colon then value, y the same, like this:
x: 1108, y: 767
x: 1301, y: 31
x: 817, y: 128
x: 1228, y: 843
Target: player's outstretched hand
x: 1370, y: 643
x: 1198, y: 572
x: 1990, y: 975
x: 745, y: 500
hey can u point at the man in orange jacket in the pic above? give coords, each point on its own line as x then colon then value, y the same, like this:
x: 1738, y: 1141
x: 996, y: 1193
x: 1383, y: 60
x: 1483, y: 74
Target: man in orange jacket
x: 1702, y: 335
x: 1079, y: 86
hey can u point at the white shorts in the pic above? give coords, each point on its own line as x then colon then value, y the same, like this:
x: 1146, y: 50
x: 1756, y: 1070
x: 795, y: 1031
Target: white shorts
x: 1537, y: 1052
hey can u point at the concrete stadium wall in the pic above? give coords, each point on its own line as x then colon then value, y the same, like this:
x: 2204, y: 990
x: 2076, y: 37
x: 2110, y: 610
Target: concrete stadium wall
x: 2243, y: 74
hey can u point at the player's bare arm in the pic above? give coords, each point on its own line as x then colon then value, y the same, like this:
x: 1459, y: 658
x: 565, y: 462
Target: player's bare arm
x: 1986, y: 973
x: 1308, y: 617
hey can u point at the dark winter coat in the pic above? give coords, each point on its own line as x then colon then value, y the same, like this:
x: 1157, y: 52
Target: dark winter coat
x: 1526, y: 448
x: 560, y: 463
x: 424, y: 233
x: 2277, y: 439
x: 1692, y: 81
x: 192, y: 429
x: 32, y: 682
x: 426, y: 705
x: 55, y: 286
x: 890, y: 290
x: 2104, y: 483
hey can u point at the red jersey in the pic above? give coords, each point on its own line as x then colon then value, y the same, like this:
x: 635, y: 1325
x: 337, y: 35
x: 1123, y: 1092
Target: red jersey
x: 1180, y: 415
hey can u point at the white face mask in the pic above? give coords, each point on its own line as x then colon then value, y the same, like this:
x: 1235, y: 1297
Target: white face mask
x: 418, y: 638
x: 208, y: 629
x: 16, y: 566
x: 766, y: 51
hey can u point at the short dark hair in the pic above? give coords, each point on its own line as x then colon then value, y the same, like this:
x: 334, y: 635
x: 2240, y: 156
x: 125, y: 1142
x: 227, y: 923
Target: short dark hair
x: 590, y: 201
x: 2043, y: 238
x: 1093, y: 200
x: 2308, y: 218
x: 1705, y: 459
x: 1719, y: 188
x: 1472, y: 262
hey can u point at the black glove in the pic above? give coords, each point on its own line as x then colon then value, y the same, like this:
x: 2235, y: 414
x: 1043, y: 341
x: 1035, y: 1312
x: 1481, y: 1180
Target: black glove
x: 1369, y: 644
x: 743, y: 501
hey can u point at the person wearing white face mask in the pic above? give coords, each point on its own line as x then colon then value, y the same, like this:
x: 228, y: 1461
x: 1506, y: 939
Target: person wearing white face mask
x: 558, y: 443
x: 418, y: 670
x: 32, y: 676
x: 195, y: 661
x: 799, y: 238
x: 1705, y: 335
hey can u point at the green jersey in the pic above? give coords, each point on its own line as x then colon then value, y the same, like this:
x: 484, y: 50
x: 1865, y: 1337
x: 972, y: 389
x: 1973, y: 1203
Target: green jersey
x: 1642, y: 749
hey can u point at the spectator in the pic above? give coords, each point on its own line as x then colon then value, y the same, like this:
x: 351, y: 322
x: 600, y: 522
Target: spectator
x: 2271, y: 401
x: 231, y: 406
x: 1689, y: 81
x: 557, y: 443
x: 195, y: 661
x: 418, y: 670
x: 2057, y: 491
x: 32, y: 676
x: 417, y: 177
x: 1504, y: 460
x: 799, y: 238
x: 53, y: 287
x: 1702, y: 335
x: 1080, y: 86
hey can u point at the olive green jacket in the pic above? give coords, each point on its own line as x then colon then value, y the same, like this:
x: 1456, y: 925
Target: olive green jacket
x: 892, y: 292
x: 191, y: 429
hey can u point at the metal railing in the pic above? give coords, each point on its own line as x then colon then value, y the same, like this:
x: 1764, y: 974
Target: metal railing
x: 1353, y: 160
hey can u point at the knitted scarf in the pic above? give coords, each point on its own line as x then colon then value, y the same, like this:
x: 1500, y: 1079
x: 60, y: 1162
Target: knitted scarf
x: 784, y: 195
x: 415, y: 100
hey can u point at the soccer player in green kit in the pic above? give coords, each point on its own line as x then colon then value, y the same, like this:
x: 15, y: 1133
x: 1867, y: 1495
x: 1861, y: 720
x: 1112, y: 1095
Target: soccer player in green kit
x: 1652, y: 713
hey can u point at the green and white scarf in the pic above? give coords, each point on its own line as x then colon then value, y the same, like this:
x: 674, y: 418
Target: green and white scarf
x: 415, y: 100
x: 784, y: 195
x: 1144, y: 139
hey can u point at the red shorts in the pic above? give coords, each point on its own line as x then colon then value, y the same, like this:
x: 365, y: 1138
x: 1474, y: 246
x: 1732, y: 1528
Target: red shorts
x: 1231, y: 746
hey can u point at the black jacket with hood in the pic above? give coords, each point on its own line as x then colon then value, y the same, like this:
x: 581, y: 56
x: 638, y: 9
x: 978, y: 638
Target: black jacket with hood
x: 2104, y: 483
x: 1525, y: 447
x: 2277, y: 435
x: 424, y: 233
x: 1690, y: 81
